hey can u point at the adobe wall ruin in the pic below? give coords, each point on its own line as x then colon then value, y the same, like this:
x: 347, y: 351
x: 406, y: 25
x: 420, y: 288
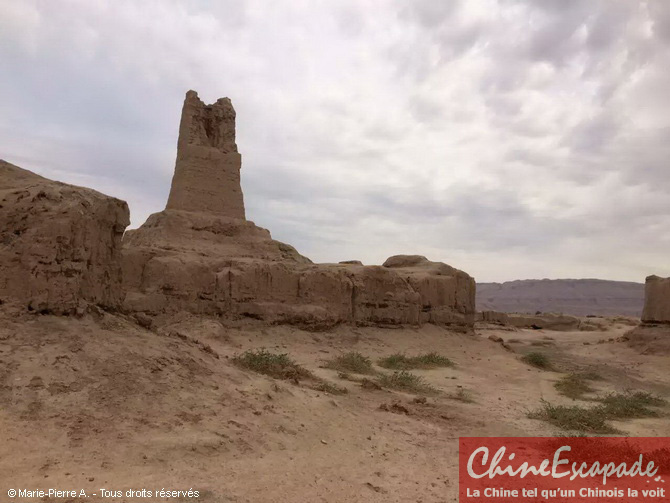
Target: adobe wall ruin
x: 62, y: 249
x: 207, y: 171
x: 60, y: 245
x: 202, y: 256
x: 656, y: 300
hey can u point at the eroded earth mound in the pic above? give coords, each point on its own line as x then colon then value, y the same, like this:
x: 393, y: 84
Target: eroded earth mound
x: 60, y: 245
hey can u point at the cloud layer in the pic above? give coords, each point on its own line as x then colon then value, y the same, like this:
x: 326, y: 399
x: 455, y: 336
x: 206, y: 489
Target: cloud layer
x: 511, y: 139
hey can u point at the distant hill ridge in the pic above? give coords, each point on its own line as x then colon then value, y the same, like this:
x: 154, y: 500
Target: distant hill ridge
x: 579, y: 297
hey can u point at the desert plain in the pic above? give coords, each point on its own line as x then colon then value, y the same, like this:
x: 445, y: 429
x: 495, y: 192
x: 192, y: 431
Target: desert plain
x: 100, y: 402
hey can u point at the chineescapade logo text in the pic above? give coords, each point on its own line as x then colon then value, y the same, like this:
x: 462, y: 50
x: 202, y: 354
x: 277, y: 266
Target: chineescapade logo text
x: 564, y: 469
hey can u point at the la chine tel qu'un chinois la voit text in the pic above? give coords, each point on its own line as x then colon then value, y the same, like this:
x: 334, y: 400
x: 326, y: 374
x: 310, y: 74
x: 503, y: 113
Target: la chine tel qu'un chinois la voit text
x: 584, y: 492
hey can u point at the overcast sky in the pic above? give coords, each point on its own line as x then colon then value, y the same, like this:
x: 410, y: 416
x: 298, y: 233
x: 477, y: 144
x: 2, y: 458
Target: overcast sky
x: 510, y: 139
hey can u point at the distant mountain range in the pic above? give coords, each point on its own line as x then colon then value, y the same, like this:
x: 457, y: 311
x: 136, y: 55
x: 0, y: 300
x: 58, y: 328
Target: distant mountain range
x: 579, y: 297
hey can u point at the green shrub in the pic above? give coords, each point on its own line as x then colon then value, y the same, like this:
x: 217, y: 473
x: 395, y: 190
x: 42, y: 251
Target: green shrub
x: 539, y: 360
x: 594, y: 419
x: 406, y: 381
x: 585, y: 419
x: 280, y: 366
x: 351, y: 362
x: 462, y: 395
x: 400, y: 361
x: 630, y: 405
x: 574, y: 385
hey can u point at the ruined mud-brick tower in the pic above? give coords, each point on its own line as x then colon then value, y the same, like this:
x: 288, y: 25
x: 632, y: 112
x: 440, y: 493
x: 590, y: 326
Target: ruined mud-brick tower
x: 656, y: 300
x: 207, y: 172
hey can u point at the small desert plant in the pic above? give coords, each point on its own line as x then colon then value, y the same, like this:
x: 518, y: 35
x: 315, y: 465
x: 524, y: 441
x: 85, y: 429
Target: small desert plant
x: 406, y: 381
x: 346, y: 376
x: 351, y: 362
x: 394, y: 361
x: 630, y: 405
x: 590, y: 420
x: 280, y: 366
x: 539, y: 360
x: 575, y: 385
x: 462, y: 395
x: 400, y: 361
x: 330, y: 388
x: 594, y: 419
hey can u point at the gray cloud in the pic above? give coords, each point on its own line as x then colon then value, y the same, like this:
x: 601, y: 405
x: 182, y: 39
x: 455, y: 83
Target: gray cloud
x: 509, y: 138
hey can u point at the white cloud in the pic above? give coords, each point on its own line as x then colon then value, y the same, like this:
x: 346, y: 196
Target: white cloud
x: 512, y: 139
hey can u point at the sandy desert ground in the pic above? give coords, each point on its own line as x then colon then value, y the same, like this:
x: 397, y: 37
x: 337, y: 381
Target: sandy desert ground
x: 99, y: 402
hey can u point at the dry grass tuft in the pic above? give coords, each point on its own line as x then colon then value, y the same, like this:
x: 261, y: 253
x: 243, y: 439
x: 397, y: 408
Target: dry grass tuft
x: 462, y: 395
x: 538, y: 360
x: 352, y: 362
x: 594, y: 419
x: 575, y: 385
x: 400, y: 361
x: 406, y: 381
x: 279, y: 366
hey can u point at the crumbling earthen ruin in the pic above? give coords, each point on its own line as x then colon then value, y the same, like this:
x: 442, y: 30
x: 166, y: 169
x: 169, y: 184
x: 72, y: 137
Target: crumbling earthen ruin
x: 207, y: 173
x: 61, y: 249
x: 201, y: 255
x: 60, y: 245
x: 656, y: 300
x: 652, y: 336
